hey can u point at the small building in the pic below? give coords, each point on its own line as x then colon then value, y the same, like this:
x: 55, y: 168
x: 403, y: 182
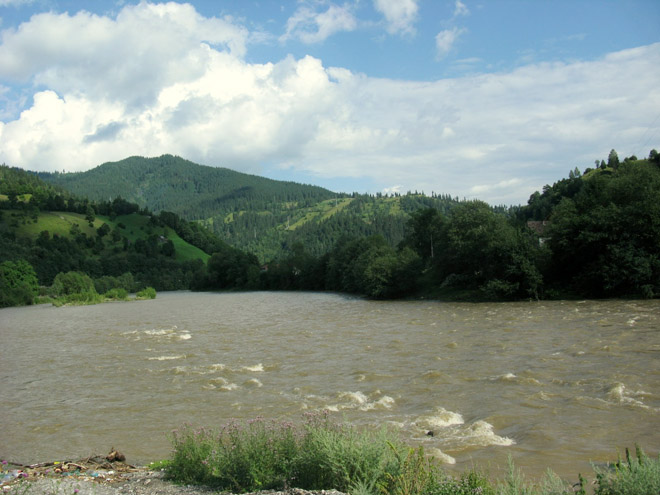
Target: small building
x: 540, y: 228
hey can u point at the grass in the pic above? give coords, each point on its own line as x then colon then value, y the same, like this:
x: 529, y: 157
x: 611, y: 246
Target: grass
x: 133, y: 227
x: 320, y: 454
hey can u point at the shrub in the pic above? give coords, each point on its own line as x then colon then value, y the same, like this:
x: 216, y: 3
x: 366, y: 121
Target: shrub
x: 261, y: 455
x: 148, y: 293
x: 72, y: 283
x: 18, y: 283
x: 640, y: 476
x: 117, y: 294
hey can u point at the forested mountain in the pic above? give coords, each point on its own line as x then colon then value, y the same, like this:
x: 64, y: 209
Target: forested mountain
x: 261, y: 216
x: 173, y: 184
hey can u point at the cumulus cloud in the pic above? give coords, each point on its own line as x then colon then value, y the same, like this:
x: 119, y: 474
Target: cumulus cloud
x: 310, y: 26
x: 496, y: 136
x: 444, y: 40
x: 129, y: 59
x: 399, y: 14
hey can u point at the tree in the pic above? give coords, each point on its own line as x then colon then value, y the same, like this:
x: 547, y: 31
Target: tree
x: 605, y: 241
x: 103, y: 230
x: 426, y: 227
x: 654, y: 157
x: 90, y: 215
x: 613, y: 159
x: 167, y: 248
x: 18, y: 283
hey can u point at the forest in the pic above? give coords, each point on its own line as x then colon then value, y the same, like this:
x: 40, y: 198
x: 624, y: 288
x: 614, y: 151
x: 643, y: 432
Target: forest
x: 594, y: 234
x: 251, y: 213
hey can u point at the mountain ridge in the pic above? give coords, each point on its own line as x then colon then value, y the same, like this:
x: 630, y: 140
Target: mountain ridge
x: 256, y: 214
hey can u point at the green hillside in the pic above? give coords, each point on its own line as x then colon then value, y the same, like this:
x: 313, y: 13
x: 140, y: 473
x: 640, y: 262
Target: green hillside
x: 261, y: 216
x: 132, y: 227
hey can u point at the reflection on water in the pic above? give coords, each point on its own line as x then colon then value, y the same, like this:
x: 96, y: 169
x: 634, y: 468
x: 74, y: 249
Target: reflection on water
x: 553, y: 384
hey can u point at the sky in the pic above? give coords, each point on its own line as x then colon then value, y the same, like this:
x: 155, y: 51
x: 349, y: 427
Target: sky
x: 478, y: 99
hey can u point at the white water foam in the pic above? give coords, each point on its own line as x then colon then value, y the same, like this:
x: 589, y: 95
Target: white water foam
x: 167, y: 358
x: 512, y: 378
x: 618, y: 393
x: 440, y: 419
x: 440, y: 455
x: 360, y: 401
x: 450, y: 431
x: 161, y: 331
x: 480, y: 433
x: 255, y: 368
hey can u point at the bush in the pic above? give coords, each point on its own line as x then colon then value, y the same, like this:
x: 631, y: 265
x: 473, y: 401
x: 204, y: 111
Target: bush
x: 74, y: 288
x: 72, y: 283
x: 117, y: 294
x: 320, y: 454
x: 18, y: 283
x: 80, y: 298
x: 639, y: 476
x: 148, y: 293
x: 261, y: 455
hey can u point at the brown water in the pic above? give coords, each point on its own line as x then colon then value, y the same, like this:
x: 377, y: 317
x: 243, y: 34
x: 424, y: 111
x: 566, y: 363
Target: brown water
x: 553, y: 384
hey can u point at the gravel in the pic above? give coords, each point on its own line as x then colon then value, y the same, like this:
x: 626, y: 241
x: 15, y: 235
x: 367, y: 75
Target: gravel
x: 138, y: 482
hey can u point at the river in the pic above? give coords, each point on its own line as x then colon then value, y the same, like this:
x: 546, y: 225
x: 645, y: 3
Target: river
x: 552, y: 384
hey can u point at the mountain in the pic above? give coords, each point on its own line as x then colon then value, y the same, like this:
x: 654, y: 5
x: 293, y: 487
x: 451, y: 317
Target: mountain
x: 174, y: 184
x: 255, y: 214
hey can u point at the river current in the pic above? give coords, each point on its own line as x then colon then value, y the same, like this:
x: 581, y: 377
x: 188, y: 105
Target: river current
x: 551, y: 384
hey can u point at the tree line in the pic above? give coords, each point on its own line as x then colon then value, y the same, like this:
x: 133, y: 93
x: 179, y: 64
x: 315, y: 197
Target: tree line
x: 593, y: 234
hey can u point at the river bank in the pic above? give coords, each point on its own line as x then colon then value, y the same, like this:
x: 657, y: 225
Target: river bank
x: 102, y: 475
x: 140, y: 481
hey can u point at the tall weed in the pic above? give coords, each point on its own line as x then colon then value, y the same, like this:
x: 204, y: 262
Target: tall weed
x: 634, y: 476
x: 261, y: 455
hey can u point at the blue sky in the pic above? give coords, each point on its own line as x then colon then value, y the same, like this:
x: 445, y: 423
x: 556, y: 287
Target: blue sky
x: 477, y: 99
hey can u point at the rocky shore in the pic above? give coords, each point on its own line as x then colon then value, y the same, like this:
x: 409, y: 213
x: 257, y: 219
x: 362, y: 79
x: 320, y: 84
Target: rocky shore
x: 108, y: 475
x: 139, y: 482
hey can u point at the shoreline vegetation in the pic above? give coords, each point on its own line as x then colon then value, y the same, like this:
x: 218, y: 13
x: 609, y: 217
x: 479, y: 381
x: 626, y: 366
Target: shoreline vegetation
x: 318, y: 455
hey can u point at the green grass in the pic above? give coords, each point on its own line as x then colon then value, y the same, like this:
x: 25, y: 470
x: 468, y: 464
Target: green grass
x: 334, y: 206
x: 135, y: 227
x: 57, y: 222
x: 320, y: 454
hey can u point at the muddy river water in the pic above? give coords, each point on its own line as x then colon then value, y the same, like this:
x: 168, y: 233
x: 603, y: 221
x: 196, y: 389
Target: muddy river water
x: 551, y: 384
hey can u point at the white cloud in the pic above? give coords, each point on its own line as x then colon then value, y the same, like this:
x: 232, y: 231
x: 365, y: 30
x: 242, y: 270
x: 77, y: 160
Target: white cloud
x: 393, y: 189
x: 460, y: 9
x: 129, y: 59
x: 444, y: 40
x: 310, y: 26
x: 399, y: 14
x: 498, y: 136
x: 14, y: 3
